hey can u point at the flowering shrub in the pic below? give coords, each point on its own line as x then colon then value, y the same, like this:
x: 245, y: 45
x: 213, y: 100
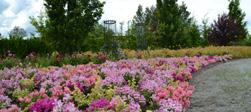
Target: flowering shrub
x: 43, y: 105
x: 159, y: 84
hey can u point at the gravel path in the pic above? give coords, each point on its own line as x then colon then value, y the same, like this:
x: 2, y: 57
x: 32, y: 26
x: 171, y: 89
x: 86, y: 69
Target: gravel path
x: 223, y: 88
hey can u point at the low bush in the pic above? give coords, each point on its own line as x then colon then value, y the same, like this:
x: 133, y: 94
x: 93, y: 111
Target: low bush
x: 9, y: 63
x: 56, y: 59
x: 23, y: 47
x: 235, y: 51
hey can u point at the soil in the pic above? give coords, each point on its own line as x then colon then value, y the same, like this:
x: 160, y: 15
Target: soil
x: 223, y: 88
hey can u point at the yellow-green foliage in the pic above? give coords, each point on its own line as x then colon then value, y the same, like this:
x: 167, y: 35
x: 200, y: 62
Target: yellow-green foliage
x: 96, y: 93
x: 92, y: 57
x: 235, y: 51
x: 27, y: 83
x: 120, y: 104
x: 18, y: 93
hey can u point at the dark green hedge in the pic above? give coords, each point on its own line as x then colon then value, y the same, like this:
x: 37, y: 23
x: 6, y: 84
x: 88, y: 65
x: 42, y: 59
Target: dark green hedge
x: 23, y: 47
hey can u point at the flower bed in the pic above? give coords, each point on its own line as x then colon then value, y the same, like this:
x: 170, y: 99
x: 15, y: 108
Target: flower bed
x: 158, y: 84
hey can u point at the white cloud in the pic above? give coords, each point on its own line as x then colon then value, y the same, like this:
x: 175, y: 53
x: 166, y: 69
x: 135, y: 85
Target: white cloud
x: 18, y: 13
x: 206, y: 8
x: 8, y: 13
x: 21, y: 21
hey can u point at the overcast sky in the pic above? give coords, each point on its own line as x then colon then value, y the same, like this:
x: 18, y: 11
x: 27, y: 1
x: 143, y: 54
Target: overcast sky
x: 17, y: 12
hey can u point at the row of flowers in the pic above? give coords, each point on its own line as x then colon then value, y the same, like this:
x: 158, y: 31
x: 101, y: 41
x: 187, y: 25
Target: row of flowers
x: 159, y: 84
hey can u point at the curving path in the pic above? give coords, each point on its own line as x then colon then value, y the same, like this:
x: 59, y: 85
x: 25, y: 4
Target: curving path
x: 223, y: 88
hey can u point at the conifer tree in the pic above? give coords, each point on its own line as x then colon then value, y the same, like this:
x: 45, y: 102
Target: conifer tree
x: 176, y: 29
x: 238, y: 16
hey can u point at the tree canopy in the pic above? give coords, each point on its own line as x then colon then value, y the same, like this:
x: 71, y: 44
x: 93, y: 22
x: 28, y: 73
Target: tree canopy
x: 17, y: 33
x: 68, y: 22
x: 176, y: 29
x: 238, y: 16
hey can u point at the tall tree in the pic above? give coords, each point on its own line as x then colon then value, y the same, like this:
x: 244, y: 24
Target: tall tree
x: 68, y: 22
x: 238, y: 16
x: 151, y: 24
x: 140, y: 16
x: 147, y: 18
x: 17, y: 33
x: 151, y: 19
x: 205, y: 31
x: 95, y: 39
x: 175, y: 26
x: 139, y: 25
x: 224, y: 31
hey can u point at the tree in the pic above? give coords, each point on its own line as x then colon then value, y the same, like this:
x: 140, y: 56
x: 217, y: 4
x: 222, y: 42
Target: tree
x: 95, y: 40
x: 151, y: 19
x: 139, y: 24
x: 133, y: 42
x: 205, y: 31
x: 40, y: 23
x: 140, y: 16
x: 176, y: 29
x: 229, y: 28
x: 224, y: 31
x: 168, y: 22
x: 121, y: 28
x: 17, y: 33
x: 151, y: 24
x: 238, y: 16
x: 148, y: 25
x: 68, y: 22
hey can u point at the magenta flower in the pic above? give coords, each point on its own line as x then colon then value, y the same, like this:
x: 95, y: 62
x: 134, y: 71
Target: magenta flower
x: 98, y: 104
x: 43, y: 105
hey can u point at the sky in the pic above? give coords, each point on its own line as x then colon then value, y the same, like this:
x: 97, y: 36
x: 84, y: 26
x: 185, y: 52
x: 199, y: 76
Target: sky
x: 17, y: 12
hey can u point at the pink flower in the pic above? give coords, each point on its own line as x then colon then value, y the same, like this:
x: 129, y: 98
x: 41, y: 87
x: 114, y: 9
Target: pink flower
x: 12, y: 108
x: 176, y: 95
x: 162, y: 93
x: 189, y: 93
x: 170, y: 88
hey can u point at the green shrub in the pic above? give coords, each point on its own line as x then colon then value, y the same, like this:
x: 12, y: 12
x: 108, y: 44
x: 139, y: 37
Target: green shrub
x: 73, y: 60
x: 8, y: 63
x: 245, y: 42
x: 23, y: 47
x: 44, y: 62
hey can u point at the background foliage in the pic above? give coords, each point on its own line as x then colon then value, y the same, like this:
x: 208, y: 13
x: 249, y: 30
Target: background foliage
x: 229, y: 28
x: 69, y: 26
x: 66, y: 23
x: 22, y: 48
